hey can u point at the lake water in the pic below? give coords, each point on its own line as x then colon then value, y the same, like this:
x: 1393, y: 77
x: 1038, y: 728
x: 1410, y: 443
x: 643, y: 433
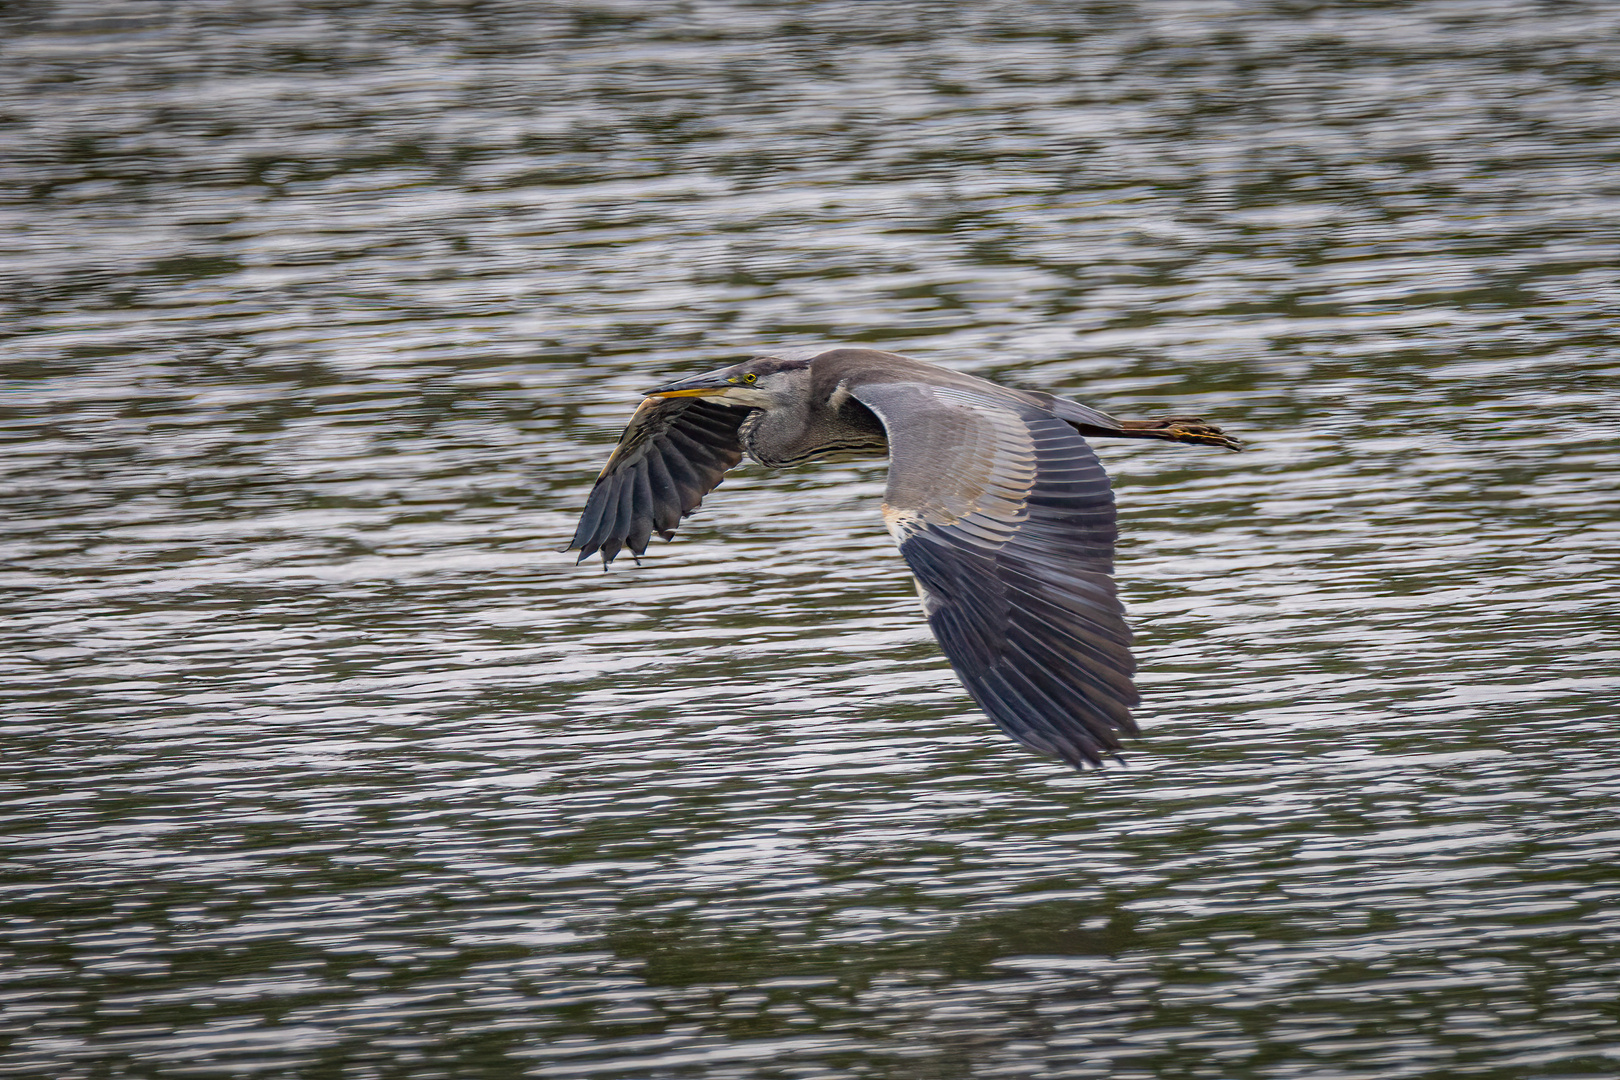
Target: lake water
x: 322, y: 760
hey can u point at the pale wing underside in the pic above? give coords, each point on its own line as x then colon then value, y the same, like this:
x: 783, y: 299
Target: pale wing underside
x: 1005, y: 517
x: 674, y: 452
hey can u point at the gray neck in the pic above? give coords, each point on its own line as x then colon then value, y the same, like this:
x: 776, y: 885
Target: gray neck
x: 779, y: 438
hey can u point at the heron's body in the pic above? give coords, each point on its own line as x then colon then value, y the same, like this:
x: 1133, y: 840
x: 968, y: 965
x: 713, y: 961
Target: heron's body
x: 1000, y: 508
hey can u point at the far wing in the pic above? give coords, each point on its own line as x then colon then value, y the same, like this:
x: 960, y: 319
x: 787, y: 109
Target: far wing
x: 1006, y: 519
x: 674, y: 452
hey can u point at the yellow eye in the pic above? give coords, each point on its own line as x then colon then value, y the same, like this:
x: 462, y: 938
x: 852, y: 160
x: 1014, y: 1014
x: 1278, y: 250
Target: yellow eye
x: 750, y: 377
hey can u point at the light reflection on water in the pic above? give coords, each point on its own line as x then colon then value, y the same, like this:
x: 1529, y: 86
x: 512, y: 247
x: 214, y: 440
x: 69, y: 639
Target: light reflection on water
x: 321, y: 320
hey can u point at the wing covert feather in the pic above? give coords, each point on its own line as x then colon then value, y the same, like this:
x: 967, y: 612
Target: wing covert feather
x: 673, y: 452
x: 1005, y: 517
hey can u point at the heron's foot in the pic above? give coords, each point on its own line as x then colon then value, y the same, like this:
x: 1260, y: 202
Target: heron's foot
x: 1182, y: 429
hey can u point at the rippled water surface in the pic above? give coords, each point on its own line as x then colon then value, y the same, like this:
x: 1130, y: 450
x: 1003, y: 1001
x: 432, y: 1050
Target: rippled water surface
x: 321, y: 760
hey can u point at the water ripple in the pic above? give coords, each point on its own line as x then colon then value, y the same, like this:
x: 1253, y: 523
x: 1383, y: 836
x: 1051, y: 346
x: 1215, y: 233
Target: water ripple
x: 320, y: 320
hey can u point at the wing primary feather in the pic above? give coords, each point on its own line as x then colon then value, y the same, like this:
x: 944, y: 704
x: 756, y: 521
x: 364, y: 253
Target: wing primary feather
x: 1023, y: 719
x: 1100, y: 658
x: 1058, y: 604
x: 694, y: 449
x: 672, y: 453
x: 687, y: 485
x: 1058, y: 720
x: 718, y: 427
x: 964, y: 643
x: 676, y: 466
x: 616, y: 493
x: 612, y: 498
x: 1100, y: 705
x: 595, y: 507
x: 667, y: 497
x: 641, y: 520
x: 613, y: 542
x: 961, y: 617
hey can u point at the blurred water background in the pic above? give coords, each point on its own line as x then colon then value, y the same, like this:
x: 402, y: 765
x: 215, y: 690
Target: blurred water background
x: 321, y: 760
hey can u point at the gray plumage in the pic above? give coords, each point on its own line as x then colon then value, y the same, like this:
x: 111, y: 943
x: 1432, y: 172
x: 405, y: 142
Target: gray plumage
x: 1000, y: 508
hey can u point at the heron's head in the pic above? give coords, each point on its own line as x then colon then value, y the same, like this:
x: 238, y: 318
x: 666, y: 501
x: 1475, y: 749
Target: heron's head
x: 765, y: 382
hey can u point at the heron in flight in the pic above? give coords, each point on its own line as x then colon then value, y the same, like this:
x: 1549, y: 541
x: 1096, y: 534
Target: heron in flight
x: 1001, y: 510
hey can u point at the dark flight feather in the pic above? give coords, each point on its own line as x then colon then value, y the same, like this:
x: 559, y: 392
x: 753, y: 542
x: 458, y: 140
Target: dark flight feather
x: 673, y: 452
x: 1032, y: 625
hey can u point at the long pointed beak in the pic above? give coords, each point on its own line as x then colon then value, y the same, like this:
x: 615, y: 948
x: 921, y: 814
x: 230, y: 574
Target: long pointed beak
x: 695, y: 386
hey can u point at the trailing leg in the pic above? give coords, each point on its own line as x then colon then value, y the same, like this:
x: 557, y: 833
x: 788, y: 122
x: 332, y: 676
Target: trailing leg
x: 1183, y: 429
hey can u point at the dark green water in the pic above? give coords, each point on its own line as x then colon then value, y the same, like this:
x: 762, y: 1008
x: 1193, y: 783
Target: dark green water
x: 320, y: 761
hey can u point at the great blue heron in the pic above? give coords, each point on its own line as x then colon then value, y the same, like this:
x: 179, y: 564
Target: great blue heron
x: 1001, y: 510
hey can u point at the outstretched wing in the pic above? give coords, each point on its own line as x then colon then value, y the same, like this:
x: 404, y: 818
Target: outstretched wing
x: 1006, y: 519
x: 674, y: 452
